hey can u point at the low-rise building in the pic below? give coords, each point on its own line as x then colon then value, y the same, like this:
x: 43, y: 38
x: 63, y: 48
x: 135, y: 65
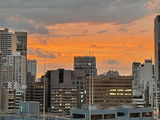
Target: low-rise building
x: 109, y: 91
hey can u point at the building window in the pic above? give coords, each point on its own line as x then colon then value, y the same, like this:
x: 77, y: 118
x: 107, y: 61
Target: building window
x: 96, y: 117
x: 78, y: 116
x: 109, y: 116
x: 147, y: 114
x: 133, y: 115
x: 120, y: 114
x: 112, y: 93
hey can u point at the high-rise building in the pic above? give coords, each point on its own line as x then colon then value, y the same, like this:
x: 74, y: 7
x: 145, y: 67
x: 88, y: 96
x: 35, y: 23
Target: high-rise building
x: 7, y: 46
x: 79, y: 81
x: 31, y: 71
x: 62, y: 95
x: 7, y: 43
x: 157, y: 48
x: 144, y: 81
x: 22, y: 42
x: 109, y: 91
x: 16, y: 69
x: 86, y: 63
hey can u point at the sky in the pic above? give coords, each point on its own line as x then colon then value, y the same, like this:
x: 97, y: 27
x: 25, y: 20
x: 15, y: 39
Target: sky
x: 118, y: 32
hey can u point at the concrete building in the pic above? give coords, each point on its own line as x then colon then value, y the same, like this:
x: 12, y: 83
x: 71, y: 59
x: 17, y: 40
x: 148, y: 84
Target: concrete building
x: 21, y: 43
x: 9, y: 99
x: 7, y: 46
x: 35, y: 92
x: 31, y: 71
x: 109, y: 92
x: 61, y: 91
x: 79, y: 81
x: 16, y: 68
x: 144, y: 81
x: 121, y: 113
x: 85, y: 63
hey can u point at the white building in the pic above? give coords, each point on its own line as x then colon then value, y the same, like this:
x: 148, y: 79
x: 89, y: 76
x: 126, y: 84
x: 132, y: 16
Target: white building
x: 31, y: 70
x: 143, y: 81
x: 16, y: 69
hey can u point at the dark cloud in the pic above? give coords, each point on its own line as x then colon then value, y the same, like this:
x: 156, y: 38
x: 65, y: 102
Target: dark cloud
x: 113, y: 62
x: 49, y: 12
x: 42, y: 53
x: 123, y: 29
x: 102, y: 31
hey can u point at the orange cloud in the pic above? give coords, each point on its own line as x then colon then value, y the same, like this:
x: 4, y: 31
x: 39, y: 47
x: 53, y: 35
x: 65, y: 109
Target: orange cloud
x: 125, y: 43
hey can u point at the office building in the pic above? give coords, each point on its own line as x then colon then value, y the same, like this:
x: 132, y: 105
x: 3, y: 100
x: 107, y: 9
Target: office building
x: 157, y: 47
x: 0, y: 76
x: 31, y: 71
x: 144, y: 81
x: 109, y: 92
x: 16, y: 68
x: 21, y: 43
x: 79, y: 81
x: 86, y: 63
x: 35, y: 92
x: 63, y: 95
x: 120, y: 113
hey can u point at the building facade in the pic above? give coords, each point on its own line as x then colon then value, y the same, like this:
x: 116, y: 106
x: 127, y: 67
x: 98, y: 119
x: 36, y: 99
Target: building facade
x: 21, y: 43
x: 16, y: 69
x: 157, y: 47
x: 109, y: 91
x: 121, y: 113
x: 31, y: 71
x: 61, y: 91
x: 35, y: 92
x: 79, y: 82
x: 144, y: 81
x: 86, y: 63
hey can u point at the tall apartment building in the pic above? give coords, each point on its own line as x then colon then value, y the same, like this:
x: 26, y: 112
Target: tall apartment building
x: 109, y: 91
x: 21, y: 43
x: 7, y: 43
x: 63, y: 96
x: 7, y: 46
x: 31, y: 71
x: 157, y: 48
x: 16, y: 68
x: 86, y: 63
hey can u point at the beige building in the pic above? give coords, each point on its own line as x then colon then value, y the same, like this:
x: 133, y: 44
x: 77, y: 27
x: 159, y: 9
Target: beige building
x: 109, y: 91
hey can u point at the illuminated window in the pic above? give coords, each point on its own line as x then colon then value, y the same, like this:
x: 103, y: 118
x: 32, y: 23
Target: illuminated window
x: 112, y: 89
x: 128, y: 90
x: 119, y: 93
x: 81, y: 96
x: 112, y: 93
x: 128, y: 94
x: 81, y: 100
x: 120, y: 90
x: 52, y: 107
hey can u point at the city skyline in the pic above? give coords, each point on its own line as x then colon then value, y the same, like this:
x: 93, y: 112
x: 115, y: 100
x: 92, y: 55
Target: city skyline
x: 58, y: 32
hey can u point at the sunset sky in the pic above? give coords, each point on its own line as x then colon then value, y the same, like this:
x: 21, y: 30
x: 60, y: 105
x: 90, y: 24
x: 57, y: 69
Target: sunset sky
x: 118, y: 32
